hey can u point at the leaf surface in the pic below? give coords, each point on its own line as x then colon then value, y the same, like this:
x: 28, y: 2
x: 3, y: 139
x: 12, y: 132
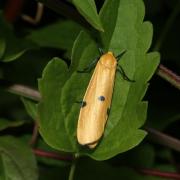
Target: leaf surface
x: 18, y: 160
x: 89, y: 12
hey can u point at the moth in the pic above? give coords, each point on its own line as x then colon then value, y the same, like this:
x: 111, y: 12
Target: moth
x: 97, y: 100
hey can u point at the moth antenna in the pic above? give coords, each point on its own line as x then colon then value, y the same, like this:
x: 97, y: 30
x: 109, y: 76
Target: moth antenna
x: 122, y: 72
x: 101, y: 51
x: 118, y: 57
x: 89, y: 68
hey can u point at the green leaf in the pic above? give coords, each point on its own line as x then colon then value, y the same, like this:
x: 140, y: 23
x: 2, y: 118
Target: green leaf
x: 54, y: 78
x: 41, y: 145
x: 35, y: 60
x: 84, y: 52
x: 51, y: 118
x: 88, y: 10
x: 2, y: 172
x: 118, y: 144
x: 128, y: 111
x: 81, y: 57
x: 15, y: 47
x: 124, y: 29
x: 89, y: 169
x: 31, y: 107
x: 140, y: 156
x: 60, y: 34
x: 2, y: 45
x: 4, y: 123
x: 17, y: 159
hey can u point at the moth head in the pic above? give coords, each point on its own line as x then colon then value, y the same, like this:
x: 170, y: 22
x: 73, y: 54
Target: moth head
x: 108, y: 60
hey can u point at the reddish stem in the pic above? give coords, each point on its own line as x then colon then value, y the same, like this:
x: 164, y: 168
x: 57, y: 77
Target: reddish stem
x: 163, y: 139
x: 13, y: 9
x: 163, y: 174
x: 149, y: 172
x: 170, y: 73
x: 169, y: 76
x: 34, y: 134
x: 52, y: 155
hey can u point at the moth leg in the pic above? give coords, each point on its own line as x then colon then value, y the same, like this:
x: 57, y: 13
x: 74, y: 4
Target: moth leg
x: 101, y: 52
x: 122, y: 72
x: 118, y: 57
x: 83, y: 103
x: 108, y: 111
x: 92, y: 65
x: 89, y: 68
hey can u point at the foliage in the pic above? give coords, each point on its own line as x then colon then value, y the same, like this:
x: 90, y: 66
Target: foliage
x: 48, y: 56
x: 127, y: 108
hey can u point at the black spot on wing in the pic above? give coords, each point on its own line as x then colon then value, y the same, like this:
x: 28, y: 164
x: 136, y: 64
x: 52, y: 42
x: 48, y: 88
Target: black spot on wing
x: 83, y: 104
x: 101, y: 98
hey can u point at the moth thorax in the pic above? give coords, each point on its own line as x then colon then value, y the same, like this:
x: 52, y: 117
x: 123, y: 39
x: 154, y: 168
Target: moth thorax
x: 108, y: 60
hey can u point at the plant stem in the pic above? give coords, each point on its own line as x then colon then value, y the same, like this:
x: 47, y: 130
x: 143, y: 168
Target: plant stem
x: 164, y: 139
x: 20, y: 89
x: 154, y: 172
x: 73, y: 168
x: 169, y: 76
x: 52, y: 155
x: 163, y: 72
x: 167, y: 26
x: 34, y: 134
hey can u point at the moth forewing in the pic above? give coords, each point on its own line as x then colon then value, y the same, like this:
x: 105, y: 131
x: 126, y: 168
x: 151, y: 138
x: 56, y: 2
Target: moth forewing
x: 94, y: 114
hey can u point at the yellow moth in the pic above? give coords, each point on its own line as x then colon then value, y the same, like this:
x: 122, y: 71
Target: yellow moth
x: 96, y: 102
